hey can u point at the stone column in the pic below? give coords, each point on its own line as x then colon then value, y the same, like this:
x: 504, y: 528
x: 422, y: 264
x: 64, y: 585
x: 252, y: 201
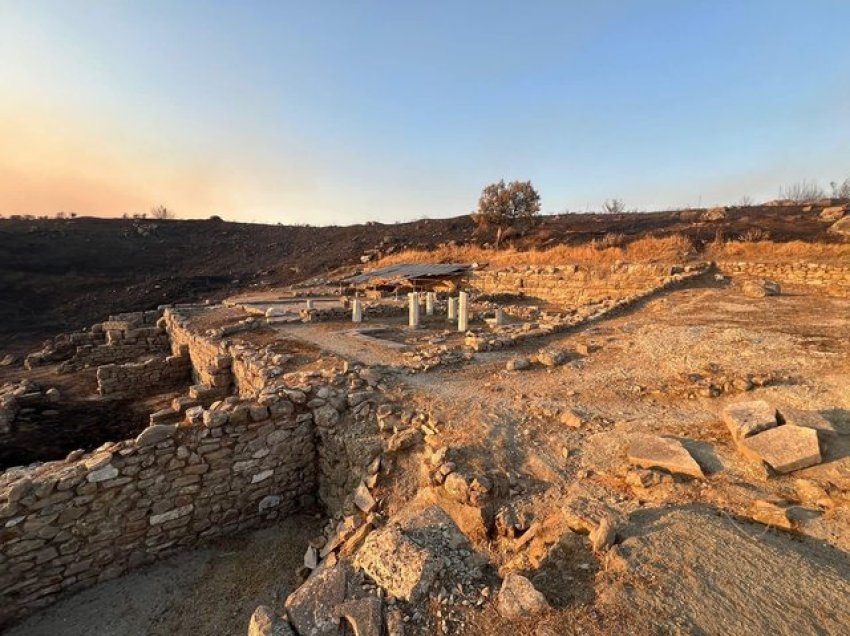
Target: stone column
x: 356, y: 311
x: 309, y: 303
x: 452, y: 305
x: 413, y: 302
x: 463, y: 311
x: 430, y: 299
x: 499, y: 317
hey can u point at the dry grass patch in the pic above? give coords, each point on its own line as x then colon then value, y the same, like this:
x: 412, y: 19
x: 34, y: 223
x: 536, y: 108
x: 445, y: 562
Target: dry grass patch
x: 606, y: 251
x: 768, y: 251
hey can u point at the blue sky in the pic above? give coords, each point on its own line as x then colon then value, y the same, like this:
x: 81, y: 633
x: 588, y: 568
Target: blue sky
x: 343, y: 112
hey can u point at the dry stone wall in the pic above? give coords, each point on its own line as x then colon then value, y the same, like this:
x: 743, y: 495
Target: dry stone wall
x: 136, y: 379
x: 68, y: 524
x: 210, y: 359
x: 820, y: 278
x: 574, y: 284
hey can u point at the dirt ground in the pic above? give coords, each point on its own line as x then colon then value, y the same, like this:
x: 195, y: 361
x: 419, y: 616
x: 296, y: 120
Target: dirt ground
x: 209, y: 591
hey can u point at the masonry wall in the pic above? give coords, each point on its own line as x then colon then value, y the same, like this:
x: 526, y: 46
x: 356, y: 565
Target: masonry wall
x: 574, y: 284
x: 137, y: 379
x: 211, y: 361
x: 829, y: 280
x: 69, y: 524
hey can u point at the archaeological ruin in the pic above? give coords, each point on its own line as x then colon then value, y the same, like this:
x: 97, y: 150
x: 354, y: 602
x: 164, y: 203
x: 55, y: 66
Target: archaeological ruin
x: 472, y: 438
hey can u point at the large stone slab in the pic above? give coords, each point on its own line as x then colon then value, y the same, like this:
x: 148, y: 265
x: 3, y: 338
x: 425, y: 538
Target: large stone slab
x: 653, y: 451
x: 809, y: 419
x: 785, y: 448
x: 748, y: 418
x: 396, y: 563
x: 312, y: 607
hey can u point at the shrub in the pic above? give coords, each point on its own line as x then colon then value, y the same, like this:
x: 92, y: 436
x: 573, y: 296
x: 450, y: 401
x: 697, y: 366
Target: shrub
x: 162, y: 213
x: 502, y: 205
x: 802, y: 191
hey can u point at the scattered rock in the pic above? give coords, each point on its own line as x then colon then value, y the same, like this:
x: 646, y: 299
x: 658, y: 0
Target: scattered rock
x: 264, y: 622
x: 841, y: 226
x: 364, y: 615
x: 396, y: 563
x: 311, y: 607
x: 52, y: 394
x: 785, y: 448
x: 518, y: 598
x: 519, y: 363
x: 603, y: 536
x: 714, y: 214
x: 760, y: 288
x: 571, y: 418
x: 363, y: 499
x: 809, y: 419
x: 156, y: 433
x: 550, y: 357
x: 653, y: 451
x: 748, y: 418
x: 7, y: 360
x: 832, y: 213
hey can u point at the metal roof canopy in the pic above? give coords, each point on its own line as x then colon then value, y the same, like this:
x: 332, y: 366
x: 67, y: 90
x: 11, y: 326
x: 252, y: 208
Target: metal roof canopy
x: 409, y: 271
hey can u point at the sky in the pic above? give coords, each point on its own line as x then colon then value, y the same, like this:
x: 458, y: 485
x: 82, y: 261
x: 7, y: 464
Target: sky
x: 328, y: 112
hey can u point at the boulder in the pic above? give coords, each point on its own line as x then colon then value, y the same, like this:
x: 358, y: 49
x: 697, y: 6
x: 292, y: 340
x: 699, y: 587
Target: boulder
x: 156, y: 433
x: 761, y: 288
x: 364, y: 615
x: 264, y: 622
x: 550, y: 357
x: 363, y: 499
x: 714, y: 214
x: 748, y: 418
x: 518, y: 363
x: 784, y: 448
x: 518, y: 598
x: 312, y: 607
x: 841, y: 226
x: 653, y: 451
x: 396, y: 563
x: 832, y: 213
x: 809, y: 419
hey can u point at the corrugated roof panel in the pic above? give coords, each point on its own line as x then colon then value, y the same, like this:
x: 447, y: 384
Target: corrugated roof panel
x: 409, y: 271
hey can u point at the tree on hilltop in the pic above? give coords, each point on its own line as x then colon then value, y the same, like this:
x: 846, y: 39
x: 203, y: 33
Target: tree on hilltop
x: 503, y: 205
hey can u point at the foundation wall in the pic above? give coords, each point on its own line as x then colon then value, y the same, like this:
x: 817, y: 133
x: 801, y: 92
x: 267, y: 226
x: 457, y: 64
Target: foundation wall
x: 820, y: 278
x: 574, y: 284
x: 69, y: 524
x: 137, y: 379
x: 211, y: 362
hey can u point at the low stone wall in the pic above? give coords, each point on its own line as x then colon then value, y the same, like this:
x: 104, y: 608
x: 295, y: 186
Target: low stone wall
x: 136, y: 379
x: 820, y: 278
x: 211, y: 361
x: 575, y: 284
x: 69, y: 524
x: 122, y: 338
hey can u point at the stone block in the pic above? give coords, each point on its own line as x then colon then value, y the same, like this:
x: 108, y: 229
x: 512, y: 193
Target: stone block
x: 744, y: 419
x: 785, y: 448
x: 809, y: 419
x: 653, y: 451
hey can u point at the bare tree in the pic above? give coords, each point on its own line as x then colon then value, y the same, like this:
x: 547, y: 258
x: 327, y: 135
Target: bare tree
x: 162, y: 213
x: 613, y: 206
x: 503, y: 205
x: 802, y: 191
x: 745, y: 201
x: 840, y: 190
